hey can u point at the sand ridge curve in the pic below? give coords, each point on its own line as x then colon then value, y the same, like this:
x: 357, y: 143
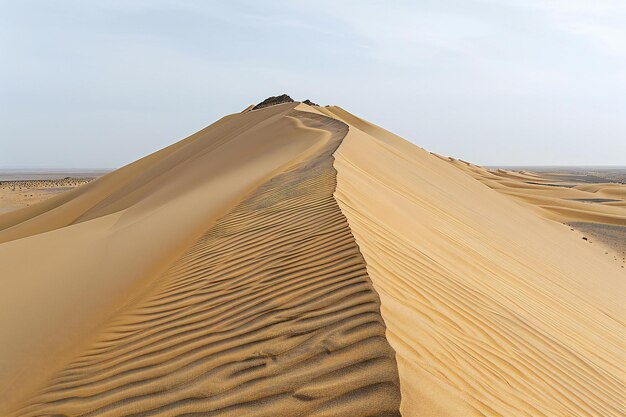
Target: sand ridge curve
x: 270, y: 312
x: 71, y: 262
x: 492, y: 309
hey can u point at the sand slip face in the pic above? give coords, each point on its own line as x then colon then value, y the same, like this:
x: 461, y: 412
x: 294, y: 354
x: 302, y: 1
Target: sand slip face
x: 270, y: 312
x: 492, y: 310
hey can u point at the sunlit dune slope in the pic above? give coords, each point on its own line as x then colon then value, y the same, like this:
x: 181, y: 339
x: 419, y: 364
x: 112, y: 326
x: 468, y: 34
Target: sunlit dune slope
x: 298, y: 260
x: 491, y: 309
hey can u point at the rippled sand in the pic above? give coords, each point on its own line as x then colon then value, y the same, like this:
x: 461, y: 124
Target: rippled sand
x: 297, y: 260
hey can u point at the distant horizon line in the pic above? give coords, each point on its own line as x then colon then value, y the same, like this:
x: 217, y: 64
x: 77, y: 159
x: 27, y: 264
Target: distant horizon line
x: 56, y: 169
x: 509, y: 166
x: 556, y: 166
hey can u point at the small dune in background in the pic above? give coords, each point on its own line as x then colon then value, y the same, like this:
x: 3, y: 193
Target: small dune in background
x: 296, y: 260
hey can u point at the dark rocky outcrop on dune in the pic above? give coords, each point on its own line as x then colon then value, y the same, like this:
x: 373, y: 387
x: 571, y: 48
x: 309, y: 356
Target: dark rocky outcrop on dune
x: 272, y: 101
x: 284, y: 98
x: 310, y: 103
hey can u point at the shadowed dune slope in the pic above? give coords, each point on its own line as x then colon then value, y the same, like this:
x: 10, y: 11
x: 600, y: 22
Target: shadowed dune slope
x: 230, y: 144
x: 492, y: 310
x: 269, y: 312
x: 261, y: 307
x: 71, y: 262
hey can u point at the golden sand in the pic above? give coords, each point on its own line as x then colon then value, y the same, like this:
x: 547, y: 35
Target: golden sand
x: 297, y: 260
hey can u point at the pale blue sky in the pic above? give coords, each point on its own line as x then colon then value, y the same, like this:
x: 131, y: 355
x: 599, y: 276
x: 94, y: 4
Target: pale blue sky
x: 87, y: 84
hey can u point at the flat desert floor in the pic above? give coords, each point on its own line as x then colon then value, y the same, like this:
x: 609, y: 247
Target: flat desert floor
x: 17, y: 193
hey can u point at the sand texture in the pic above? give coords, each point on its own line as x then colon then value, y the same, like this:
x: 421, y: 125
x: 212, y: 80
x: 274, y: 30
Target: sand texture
x: 296, y: 260
x: 561, y: 199
x: 269, y: 309
x: 492, y: 310
x: 585, y: 202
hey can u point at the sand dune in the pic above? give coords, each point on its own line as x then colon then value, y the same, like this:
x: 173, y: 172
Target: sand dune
x: 491, y: 309
x: 103, y: 262
x: 561, y: 200
x: 596, y: 210
x: 297, y: 260
x: 270, y: 309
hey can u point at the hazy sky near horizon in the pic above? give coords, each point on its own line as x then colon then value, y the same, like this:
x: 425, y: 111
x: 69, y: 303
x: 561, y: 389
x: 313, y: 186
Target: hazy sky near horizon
x: 86, y: 84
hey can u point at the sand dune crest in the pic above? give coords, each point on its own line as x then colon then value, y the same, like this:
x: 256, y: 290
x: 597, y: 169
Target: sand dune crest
x: 270, y: 311
x: 298, y: 260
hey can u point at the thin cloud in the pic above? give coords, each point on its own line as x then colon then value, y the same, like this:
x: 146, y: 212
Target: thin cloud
x: 600, y: 22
